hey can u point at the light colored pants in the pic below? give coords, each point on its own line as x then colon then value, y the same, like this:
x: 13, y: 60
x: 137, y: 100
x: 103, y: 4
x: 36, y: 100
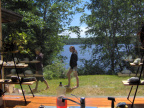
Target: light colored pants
x: 74, y: 70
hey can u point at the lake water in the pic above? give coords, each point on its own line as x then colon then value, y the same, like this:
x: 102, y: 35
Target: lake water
x: 86, y: 55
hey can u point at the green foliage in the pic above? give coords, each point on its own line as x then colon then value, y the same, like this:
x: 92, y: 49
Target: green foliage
x: 72, y: 41
x: 112, y: 22
x: 76, y: 30
x: 55, y: 70
x: 43, y: 21
x: 90, y: 68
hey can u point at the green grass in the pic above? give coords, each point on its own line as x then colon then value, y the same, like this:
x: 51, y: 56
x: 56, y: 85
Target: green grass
x: 90, y: 86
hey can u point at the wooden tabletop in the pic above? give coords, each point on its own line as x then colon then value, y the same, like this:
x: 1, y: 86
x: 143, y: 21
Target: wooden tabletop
x: 2, y: 52
x: 13, y: 66
x: 34, y: 61
x: 16, y: 101
x: 2, y: 81
x: 26, y: 75
x: 132, y: 64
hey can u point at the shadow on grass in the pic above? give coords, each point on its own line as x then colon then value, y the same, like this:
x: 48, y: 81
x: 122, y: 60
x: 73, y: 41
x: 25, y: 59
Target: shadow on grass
x: 68, y: 90
x: 36, y: 91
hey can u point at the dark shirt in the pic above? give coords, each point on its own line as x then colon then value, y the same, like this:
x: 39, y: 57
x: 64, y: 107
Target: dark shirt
x: 142, y: 34
x: 73, y: 60
x: 142, y: 27
x: 39, y: 65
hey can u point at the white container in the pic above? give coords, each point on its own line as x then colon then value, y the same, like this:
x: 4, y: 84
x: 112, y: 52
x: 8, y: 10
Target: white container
x: 61, y: 91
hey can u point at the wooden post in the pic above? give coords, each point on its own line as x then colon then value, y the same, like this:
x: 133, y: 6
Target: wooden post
x: 2, y: 70
x: 0, y: 26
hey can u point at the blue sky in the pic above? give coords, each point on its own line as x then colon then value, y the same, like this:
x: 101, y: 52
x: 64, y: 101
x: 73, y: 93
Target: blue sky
x: 76, y: 22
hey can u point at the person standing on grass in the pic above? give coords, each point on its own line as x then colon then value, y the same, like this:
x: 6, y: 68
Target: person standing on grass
x: 141, y: 34
x: 73, y: 66
x: 39, y: 69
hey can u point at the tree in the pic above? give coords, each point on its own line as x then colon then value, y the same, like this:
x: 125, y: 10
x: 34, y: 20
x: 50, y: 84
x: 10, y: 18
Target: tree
x: 108, y: 20
x: 43, y: 21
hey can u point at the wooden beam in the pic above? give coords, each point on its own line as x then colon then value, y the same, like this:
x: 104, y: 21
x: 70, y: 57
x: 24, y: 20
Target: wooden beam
x: 0, y: 26
x: 9, y: 16
x: 1, y: 75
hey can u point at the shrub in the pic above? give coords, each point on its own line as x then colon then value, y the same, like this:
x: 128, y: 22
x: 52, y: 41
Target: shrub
x: 55, y: 70
x: 90, y: 68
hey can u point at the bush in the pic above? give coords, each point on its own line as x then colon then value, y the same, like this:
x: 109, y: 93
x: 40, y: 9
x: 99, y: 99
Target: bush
x: 90, y: 68
x: 48, y: 74
x: 55, y: 70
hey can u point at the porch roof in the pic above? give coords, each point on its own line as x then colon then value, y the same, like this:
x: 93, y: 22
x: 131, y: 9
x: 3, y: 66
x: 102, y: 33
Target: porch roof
x: 10, y: 16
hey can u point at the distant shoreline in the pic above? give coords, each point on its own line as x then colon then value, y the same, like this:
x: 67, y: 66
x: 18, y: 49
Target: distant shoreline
x: 92, y: 40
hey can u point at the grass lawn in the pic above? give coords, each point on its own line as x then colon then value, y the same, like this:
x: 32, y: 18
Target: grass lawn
x: 90, y: 86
